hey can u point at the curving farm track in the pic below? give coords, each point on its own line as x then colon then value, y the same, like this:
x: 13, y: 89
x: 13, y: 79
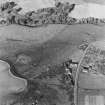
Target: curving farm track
x: 8, y: 82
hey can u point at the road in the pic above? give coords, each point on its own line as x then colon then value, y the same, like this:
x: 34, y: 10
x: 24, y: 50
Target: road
x: 88, y: 81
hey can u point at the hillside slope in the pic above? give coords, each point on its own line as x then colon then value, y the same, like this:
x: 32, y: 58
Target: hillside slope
x: 46, y: 45
x: 33, y: 50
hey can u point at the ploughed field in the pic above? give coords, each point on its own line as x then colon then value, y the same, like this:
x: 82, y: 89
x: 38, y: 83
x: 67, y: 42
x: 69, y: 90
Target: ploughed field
x: 37, y: 55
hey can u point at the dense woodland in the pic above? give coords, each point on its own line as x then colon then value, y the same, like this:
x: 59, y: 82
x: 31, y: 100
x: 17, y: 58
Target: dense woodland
x: 52, y: 15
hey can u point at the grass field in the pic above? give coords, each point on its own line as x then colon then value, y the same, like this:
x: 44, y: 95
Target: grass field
x: 48, y: 45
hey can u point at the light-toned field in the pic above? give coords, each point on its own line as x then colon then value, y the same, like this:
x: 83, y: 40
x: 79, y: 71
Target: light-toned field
x: 88, y: 10
x: 9, y: 83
